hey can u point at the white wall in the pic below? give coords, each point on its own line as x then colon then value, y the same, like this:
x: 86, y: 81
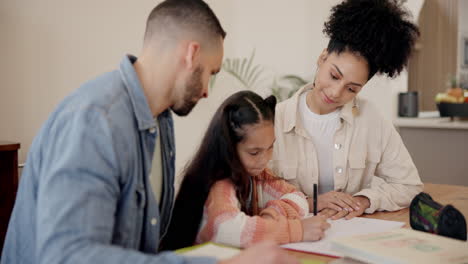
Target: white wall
x: 48, y: 48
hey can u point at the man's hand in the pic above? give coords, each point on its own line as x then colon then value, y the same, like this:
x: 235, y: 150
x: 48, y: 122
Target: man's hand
x: 262, y: 253
x: 314, y: 228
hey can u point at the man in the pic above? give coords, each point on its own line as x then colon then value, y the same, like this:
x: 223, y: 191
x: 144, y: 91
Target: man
x: 98, y: 182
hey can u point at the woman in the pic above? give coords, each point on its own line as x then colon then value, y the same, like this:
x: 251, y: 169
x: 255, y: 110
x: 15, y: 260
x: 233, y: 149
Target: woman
x: 327, y: 135
x: 227, y: 194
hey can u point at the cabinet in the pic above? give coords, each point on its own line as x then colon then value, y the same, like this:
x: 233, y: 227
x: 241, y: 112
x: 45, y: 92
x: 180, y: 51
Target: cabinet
x: 8, y: 184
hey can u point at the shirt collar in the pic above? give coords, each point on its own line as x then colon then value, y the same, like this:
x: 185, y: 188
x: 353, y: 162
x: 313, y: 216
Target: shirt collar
x: 292, y: 110
x: 140, y: 105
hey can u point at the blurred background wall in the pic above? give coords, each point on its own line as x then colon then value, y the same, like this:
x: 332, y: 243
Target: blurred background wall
x: 50, y: 47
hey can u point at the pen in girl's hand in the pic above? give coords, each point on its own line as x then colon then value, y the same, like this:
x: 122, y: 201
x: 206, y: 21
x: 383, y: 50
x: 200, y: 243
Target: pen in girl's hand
x: 315, y: 199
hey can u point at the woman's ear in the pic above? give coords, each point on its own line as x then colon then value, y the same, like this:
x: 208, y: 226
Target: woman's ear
x: 323, y: 57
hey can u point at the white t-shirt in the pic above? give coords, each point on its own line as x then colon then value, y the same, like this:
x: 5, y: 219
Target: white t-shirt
x: 321, y: 128
x: 156, y: 174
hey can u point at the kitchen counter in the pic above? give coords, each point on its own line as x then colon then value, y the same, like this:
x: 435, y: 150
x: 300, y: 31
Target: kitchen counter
x: 437, y: 146
x: 430, y: 120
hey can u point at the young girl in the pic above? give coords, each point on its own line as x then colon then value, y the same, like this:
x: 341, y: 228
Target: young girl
x: 326, y: 135
x: 228, y: 196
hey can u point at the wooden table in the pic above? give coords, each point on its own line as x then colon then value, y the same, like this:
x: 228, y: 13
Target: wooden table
x: 8, y: 184
x: 444, y: 194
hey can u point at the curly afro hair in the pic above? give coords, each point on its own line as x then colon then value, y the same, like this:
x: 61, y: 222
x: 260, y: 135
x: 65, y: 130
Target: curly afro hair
x: 378, y: 30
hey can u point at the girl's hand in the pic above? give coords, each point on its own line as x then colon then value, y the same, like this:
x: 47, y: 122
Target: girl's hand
x: 338, y: 201
x: 314, y: 228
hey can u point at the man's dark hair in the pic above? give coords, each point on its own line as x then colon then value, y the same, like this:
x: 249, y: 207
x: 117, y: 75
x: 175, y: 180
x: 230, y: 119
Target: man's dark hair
x: 378, y: 30
x: 193, y: 15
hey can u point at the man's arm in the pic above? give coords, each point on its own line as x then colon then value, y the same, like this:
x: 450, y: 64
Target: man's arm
x: 78, y: 195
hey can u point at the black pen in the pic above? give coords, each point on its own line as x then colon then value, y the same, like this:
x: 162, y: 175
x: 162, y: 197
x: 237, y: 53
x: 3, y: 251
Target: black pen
x: 315, y: 199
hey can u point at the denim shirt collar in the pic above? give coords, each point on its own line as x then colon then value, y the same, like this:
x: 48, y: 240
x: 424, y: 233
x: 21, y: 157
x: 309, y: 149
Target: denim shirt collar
x: 138, y: 99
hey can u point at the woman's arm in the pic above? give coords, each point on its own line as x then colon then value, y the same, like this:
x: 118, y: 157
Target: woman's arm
x: 396, y: 180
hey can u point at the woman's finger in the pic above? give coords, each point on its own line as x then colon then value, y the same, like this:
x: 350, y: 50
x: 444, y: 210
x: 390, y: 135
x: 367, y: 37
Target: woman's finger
x: 341, y: 204
x: 328, y: 212
x: 339, y: 215
x: 334, y: 207
x: 348, y: 199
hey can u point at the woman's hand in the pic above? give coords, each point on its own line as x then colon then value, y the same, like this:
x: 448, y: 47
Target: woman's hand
x: 314, y: 228
x: 364, y: 204
x: 337, y: 214
x: 337, y: 201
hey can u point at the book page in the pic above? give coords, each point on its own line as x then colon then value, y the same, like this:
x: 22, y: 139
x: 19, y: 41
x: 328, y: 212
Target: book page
x: 343, y: 228
x: 212, y: 250
x: 403, y: 246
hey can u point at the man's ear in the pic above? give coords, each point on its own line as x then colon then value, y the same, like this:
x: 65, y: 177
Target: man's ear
x: 323, y: 57
x: 191, y: 53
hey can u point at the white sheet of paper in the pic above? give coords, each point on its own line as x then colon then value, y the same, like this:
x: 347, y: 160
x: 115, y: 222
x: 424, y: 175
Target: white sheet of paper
x: 211, y: 250
x: 344, y: 228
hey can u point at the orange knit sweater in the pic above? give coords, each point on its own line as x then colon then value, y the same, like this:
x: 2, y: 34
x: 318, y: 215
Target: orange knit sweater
x: 280, y: 207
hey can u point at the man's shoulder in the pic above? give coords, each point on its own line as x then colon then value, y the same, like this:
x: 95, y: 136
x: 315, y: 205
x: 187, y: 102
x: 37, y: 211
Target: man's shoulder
x: 105, y: 91
x: 99, y: 106
x: 105, y: 95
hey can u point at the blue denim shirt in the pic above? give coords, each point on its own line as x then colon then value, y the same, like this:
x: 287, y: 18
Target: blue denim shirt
x: 85, y: 195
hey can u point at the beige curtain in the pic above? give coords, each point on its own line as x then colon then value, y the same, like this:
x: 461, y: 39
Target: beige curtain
x: 435, y: 58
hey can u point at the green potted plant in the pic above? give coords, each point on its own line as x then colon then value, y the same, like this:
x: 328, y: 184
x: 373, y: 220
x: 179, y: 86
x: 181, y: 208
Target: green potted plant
x: 249, y: 75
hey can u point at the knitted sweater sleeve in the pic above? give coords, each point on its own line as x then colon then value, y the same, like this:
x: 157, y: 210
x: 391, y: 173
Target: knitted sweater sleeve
x: 223, y: 221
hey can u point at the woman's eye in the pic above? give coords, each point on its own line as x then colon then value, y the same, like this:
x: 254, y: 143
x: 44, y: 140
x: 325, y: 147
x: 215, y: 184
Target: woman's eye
x: 333, y: 77
x: 352, y: 90
x: 254, y: 153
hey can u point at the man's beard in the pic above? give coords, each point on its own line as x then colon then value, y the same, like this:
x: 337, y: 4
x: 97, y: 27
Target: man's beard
x: 193, y: 90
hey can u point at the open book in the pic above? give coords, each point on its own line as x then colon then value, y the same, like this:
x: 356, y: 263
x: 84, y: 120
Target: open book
x: 343, y: 228
x: 403, y: 246
x: 222, y: 252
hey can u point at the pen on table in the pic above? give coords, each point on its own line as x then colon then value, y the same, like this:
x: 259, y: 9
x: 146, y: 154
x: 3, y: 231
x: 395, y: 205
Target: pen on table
x: 315, y: 199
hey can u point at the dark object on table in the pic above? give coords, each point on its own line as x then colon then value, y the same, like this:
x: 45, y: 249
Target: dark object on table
x: 429, y: 216
x: 453, y: 110
x: 408, y: 104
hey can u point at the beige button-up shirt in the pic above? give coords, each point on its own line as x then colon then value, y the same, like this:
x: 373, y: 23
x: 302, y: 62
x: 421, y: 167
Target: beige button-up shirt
x: 369, y: 157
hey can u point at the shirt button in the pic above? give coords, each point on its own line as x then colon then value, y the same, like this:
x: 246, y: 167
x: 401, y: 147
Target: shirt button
x: 337, y: 146
x: 154, y: 221
x: 152, y: 130
x: 339, y: 169
x: 171, y: 153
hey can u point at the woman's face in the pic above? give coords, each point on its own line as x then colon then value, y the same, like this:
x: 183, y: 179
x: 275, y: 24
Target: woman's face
x: 256, y: 149
x: 339, y: 78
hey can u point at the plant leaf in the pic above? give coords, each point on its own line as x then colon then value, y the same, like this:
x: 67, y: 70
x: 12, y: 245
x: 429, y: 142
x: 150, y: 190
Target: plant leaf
x: 242, y: 70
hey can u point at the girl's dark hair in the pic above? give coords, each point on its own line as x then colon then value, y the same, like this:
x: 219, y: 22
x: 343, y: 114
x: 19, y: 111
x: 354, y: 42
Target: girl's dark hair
x: 378, y: 30
x: 216, y: 159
